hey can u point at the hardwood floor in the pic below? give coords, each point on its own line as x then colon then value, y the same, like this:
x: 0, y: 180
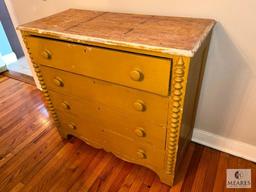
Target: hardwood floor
x: 33, y: 157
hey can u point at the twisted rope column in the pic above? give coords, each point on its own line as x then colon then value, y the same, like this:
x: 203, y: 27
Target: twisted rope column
x: 37, y: 70
x: 178, y: 89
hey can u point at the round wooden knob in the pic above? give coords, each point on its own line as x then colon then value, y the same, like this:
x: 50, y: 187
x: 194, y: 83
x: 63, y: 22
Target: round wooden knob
x: 46, y: 54
x: 140, y: 132
x: 72, y: 126
x: 58, y: 82
x: 65, y: 105
x: 141, y: 154
x: 136, y: 75
x: 139, y: 105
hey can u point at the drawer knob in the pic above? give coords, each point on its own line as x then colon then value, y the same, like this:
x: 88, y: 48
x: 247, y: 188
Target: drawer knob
x: 72, y: 126
x: 58, y: 82
x: 139, y: 105
x: 65, y: 105
x: 46, y: 54
x: 140, y: 132
x: 136, y: 75
x: 141, y: 154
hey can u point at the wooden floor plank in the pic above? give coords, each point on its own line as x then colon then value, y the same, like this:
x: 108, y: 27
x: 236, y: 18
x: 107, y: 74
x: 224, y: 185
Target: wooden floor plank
x: 18, y: 187
x: 210, y: 175
x: 130, y: 178
x: 21, y: 164
x: 74, y: 170
x: 87, y: 178
x: 220, y: 182
x: 27, y: 141
x: 104, y: 181
x: 99, y: 168
x: 117, y: 182
x: 192, y: 169
x: 138, y: 182
x: 33, y: 156
x: 45, y: 177
x: 156, y: 185
x: 205, y: 173
x: 178, y: 182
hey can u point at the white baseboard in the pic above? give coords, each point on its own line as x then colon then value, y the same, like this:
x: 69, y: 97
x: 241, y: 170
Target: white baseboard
x: 233, y: 147
x: 9, y: 58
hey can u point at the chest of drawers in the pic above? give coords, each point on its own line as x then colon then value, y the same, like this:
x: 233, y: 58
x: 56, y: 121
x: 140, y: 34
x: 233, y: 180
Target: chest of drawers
x: 126, y: 83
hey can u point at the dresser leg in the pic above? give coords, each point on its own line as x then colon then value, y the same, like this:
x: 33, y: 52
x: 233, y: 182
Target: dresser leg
x: 63, y: 134
x: 166, y: 179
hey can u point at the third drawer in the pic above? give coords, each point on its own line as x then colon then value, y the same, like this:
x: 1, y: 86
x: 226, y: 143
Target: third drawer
x: 128, y: 124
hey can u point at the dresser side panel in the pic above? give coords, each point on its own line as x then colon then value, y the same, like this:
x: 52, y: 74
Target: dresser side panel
x: 195, y: 77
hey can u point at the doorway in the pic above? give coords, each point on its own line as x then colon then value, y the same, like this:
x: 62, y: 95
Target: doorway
x: 11, y: 54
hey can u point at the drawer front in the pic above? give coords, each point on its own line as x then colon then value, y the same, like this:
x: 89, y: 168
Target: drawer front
x: 133, y: 70
x: 126, y: 148
x: 127, y: 124
x: 149, y: 107
x: 89, y: 131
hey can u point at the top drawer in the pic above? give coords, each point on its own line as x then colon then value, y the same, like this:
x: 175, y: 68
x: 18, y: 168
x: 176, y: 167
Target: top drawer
x: 133, y: 70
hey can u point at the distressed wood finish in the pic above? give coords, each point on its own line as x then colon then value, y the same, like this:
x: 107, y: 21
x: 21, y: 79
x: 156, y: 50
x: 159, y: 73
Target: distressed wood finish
x: 35, y: 158
x: 157, y: 35
x: 132, y: 85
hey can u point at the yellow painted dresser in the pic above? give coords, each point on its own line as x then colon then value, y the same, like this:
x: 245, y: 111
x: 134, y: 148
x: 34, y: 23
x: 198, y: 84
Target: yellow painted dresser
x: 122, y: 82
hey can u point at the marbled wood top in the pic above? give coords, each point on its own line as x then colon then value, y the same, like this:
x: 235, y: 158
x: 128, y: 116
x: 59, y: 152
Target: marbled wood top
x: 167, y: 35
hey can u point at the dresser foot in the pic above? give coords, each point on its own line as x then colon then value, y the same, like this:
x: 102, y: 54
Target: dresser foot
x: 166, y: 179
x: 63, y: 134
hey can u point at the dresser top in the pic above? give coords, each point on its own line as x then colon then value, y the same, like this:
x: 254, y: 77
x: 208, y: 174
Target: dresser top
x: 159, y: 34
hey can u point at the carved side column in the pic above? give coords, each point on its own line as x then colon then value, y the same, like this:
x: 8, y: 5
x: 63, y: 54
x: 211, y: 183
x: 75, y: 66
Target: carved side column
x: 37, y: 70
x: 178, y: 90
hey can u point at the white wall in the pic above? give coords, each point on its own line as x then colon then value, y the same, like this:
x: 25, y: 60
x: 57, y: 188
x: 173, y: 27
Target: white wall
x: 227, y: 104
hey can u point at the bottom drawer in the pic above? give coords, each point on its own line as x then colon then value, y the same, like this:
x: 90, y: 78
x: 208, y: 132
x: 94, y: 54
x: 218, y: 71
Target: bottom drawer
x: 125, y: 148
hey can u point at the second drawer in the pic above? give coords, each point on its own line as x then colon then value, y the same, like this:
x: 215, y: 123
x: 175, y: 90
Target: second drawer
x: 147, y: 107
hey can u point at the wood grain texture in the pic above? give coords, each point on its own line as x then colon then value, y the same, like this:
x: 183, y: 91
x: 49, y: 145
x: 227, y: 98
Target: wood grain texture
x: 35, y: 158
x: 174, y: 34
